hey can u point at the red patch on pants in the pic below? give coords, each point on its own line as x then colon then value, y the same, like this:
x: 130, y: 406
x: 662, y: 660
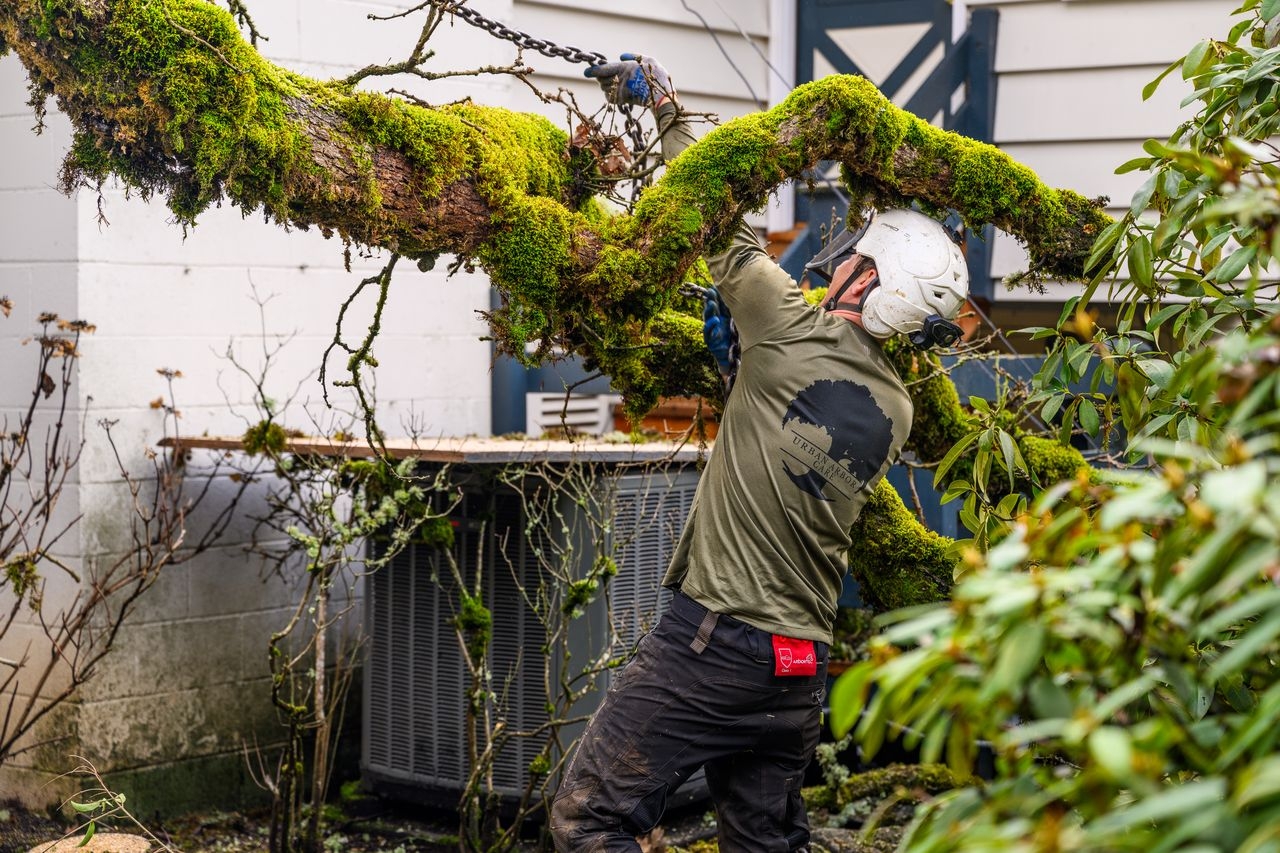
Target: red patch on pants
x: 794, y: 657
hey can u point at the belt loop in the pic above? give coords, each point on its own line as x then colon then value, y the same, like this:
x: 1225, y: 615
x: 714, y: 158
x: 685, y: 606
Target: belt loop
x: 699, y: 644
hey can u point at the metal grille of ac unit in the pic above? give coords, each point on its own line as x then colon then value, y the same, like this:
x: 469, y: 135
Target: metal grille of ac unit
x: 415, y: 679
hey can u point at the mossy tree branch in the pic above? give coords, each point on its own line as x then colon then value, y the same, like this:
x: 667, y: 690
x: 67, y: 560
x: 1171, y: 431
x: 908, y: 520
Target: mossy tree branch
x: 167, y: 96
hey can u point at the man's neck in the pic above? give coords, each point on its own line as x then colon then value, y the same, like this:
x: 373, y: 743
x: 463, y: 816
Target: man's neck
x: 852, y: 316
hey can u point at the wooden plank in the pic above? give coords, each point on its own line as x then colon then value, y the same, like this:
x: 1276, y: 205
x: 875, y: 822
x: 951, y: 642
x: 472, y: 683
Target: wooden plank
x: 493, y: 451
x: 1088, y: 166
x: 724, y: 17
x: 1060, y: 35
x: 1090, y: 104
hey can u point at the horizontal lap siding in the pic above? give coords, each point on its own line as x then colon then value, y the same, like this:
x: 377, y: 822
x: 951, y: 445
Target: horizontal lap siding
x: 1069, y: 93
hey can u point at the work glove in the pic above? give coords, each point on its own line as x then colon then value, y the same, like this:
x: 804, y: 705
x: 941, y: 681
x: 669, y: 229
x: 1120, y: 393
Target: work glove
x: 634, y: 80
x: 717, y: 330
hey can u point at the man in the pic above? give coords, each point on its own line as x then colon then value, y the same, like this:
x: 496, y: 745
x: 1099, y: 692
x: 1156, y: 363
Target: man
x: 733, y: 677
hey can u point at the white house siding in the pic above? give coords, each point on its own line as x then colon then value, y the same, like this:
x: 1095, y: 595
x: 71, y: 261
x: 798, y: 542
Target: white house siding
x: 172, y: 709
x: 1070, y: 75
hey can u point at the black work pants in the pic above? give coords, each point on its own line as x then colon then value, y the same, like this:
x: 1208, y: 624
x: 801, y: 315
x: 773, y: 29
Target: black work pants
x: 672, y: 710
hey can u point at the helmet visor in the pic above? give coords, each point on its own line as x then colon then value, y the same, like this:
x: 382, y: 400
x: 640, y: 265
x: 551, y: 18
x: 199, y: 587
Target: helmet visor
x: 824, y: 264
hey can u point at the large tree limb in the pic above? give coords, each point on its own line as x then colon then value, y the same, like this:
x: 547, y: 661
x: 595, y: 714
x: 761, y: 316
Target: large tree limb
x: 166, y: 95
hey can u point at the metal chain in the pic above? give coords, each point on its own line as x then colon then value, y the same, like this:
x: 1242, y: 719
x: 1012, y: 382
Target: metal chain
x: 519, y: 39
x: 546, y: 48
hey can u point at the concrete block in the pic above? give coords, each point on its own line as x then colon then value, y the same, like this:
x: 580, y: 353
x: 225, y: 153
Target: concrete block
x: 32, y: 161
x: 35, y: 790
x: 134, y: 434
x: 230, y: 580
x: 222, y: 781
x: 34, y: 289
x: 39, y: 674
x: 142, y: 233
x: 180, y: 725
x: 168, y: 657
x: 341, y: 30
x: 421, y: 368
x: 13, y: 89
x: 111, y: 526
x: 37, y: 225
x: 278, y: 23
x: 41, y: 759
x: 121, y: 373
x: 136, y: 300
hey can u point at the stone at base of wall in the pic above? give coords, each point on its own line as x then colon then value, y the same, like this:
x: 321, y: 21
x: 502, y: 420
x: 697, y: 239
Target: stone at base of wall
x: 207, y: 783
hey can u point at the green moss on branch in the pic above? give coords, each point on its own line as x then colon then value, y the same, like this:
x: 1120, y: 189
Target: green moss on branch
x: 896, y: 560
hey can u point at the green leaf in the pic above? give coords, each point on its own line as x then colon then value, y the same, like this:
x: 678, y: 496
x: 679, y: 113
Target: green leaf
x: 1247, y: 607
x: 1194, y: 61
x: 1021, y: 651
x: 1232, y: 265
x: 1123, y: 696
x: 1089, y: 417
x: 1051, y: 407
x: 1158, y: 371
x: 1270, y: 8
x: 1140, y: 265
x: 939, y: 476
x: 1162, y: 316
x: 1049, y: 700
x: 1143, y: 196
x: 1101, y: 247
x: 1131, y: 166
x: 1248, y: 646
x: 1111, y: 749
x: 88, y: 834
x: 1258, y: 734
x: 960, y: 750
x: 1258, y: 782
x: 848, y: 696
x: 1150, y: 89
x: 1008, y: 453
x: 1172, y: 802
x: 86, y: 808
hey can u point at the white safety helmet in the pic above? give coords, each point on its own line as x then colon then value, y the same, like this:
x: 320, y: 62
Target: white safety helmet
x: 923, y: 279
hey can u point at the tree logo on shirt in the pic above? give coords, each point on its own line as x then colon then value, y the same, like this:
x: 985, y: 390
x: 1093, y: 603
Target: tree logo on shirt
x: 835, y: 438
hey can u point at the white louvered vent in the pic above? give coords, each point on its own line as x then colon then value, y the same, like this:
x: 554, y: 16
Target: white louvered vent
x: 586, y: 414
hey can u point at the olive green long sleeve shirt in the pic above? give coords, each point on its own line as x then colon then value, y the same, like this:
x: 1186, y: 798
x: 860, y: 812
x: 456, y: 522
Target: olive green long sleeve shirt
x: 816, y: 417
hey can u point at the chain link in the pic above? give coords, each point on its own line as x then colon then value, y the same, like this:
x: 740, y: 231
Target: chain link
x: 519, y: 39
x: 546, y: 48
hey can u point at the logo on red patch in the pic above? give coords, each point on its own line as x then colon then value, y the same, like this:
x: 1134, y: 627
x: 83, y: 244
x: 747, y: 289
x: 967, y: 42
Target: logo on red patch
x: 794, y: 657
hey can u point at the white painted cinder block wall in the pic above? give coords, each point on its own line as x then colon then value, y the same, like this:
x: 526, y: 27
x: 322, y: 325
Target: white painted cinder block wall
x: 172, y: 709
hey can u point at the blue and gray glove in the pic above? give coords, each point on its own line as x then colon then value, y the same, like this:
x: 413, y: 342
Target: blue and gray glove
x: 717, y: 330
x: 634, y: 80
